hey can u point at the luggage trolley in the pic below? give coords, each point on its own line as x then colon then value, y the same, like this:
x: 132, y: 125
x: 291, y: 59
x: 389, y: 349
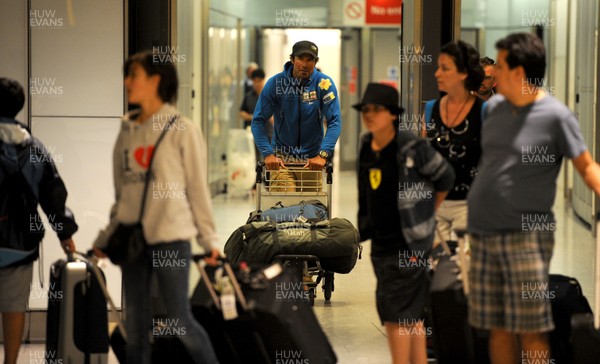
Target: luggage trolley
x: 278, y: 186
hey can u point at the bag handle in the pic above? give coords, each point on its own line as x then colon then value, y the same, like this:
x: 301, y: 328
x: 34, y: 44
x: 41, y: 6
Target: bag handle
x: 149, y: 170
x: 234, y: 282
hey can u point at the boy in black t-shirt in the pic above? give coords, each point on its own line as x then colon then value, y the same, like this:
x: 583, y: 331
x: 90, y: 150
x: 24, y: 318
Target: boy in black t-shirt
x: 400, y: 263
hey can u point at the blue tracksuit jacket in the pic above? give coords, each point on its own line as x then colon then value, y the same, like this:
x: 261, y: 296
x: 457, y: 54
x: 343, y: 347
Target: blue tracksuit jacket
x: 298, y: 107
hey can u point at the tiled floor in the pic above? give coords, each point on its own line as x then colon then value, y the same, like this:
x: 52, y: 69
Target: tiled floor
x: 350, y: 319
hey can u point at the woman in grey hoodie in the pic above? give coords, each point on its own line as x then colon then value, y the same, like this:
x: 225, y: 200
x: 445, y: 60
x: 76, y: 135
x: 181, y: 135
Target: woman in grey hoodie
x: 177, y: 206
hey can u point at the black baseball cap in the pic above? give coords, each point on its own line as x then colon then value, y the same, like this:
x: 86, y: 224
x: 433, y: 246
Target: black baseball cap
x: 305, y: 47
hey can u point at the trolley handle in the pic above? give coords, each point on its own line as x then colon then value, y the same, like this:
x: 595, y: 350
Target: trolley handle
x: 329, y: 171
x: 259, y: 171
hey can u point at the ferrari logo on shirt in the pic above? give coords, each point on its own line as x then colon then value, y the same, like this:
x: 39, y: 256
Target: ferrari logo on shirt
x: 375, y: 178
x: 325, y: 84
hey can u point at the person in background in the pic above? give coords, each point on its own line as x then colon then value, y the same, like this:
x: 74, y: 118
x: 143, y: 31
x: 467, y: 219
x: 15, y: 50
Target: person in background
x: 488, y: 86
x: 26, y: 169
x: 402, y: 284
x: 177, y: 205
x: 526, y: 134
x: 249, y: 104
x: 252, y: 66
x: 454, y: 129
x: 251, y: 98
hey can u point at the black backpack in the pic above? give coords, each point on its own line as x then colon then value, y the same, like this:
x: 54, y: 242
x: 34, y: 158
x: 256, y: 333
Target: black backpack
x: 21, y: 228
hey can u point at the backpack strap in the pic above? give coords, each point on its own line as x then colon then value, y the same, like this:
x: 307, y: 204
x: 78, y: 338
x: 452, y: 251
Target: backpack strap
x: 429, y: 110
x: 483, y: 113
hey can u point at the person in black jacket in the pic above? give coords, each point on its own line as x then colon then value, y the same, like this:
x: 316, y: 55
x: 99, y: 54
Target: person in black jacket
x: 392, y: 212
x: 28, y: 176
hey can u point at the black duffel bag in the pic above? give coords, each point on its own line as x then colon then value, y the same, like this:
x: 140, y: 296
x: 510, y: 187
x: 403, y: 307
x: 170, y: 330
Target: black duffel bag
x: 334, y: 241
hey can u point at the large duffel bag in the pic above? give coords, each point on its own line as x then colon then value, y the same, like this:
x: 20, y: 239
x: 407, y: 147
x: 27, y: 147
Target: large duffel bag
x: 334, y: 241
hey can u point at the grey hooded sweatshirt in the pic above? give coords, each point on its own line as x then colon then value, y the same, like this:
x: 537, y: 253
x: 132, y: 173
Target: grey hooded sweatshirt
x: 178, y: 205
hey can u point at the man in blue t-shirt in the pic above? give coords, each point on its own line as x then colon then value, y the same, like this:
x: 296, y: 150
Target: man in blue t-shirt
x: 525, y: 135
x: 298, y: 98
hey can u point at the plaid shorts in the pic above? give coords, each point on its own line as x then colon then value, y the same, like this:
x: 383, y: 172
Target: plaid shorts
x: 509, y: 282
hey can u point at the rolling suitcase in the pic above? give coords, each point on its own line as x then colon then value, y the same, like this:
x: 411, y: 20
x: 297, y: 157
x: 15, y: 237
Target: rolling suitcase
x: 77, y: 322
x: 585, y: 332
x: 455, y: 341
x: 276, y: 320
x: 567, y: 300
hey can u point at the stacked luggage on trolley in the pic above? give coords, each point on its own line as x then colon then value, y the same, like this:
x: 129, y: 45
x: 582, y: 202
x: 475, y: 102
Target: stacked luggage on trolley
x: 292, y: 223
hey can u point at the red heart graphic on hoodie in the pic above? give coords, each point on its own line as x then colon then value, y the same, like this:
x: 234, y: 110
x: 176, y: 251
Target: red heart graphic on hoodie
x: 142, y: 156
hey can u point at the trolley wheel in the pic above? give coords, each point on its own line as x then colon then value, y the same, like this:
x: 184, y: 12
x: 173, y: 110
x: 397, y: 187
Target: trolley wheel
x: 328, y: 286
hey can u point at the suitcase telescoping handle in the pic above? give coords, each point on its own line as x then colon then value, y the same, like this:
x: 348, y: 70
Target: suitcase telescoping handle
x: 461, y: 235
x: 90, y: 257
x: 234, y: 282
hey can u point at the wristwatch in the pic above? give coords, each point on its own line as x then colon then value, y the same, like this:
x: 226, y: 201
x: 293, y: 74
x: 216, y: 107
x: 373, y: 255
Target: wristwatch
x: 324, y: 154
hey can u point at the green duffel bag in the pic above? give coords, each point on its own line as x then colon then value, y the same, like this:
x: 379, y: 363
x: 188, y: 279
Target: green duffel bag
x: 334, y: 241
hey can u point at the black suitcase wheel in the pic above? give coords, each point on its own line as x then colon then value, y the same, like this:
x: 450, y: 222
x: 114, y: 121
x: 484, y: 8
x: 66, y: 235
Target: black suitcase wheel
x: 328, y: 286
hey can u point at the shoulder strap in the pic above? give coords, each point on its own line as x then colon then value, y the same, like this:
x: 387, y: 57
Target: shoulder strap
x: 148, y: 171
x: 406, y: 142
x: 429, y: 110
x: 483, y: 113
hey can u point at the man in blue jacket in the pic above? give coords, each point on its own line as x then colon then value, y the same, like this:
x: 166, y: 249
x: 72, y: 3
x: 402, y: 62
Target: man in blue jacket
x: 298, y: 98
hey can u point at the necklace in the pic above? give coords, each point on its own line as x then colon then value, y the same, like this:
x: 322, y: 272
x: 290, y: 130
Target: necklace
x: 453, y: 123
